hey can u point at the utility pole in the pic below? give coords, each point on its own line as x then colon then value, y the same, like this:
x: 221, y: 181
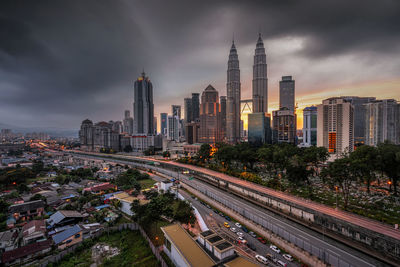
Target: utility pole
x: 336, y: 189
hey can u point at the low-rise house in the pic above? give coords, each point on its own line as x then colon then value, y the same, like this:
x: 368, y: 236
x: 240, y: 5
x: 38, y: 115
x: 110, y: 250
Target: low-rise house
x: 64, y: 217
x: 8, y: 240
x: 26, y: 253
x: 101, y: 188
x: 126, y: 201
x: 68, y: 237
x: 33, y: 231
x: 89, y: 230
x: 27, y: 210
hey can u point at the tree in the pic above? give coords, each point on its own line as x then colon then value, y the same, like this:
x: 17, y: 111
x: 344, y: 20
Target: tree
x: 183, y: 212
x: 225, y: 154
x: 389, y: 162
x: 166, y: 154
x: 364, y: 162
x: 204, y: 153
x: 246, y: 154
x: 314, y: 156
x: 339, y: 173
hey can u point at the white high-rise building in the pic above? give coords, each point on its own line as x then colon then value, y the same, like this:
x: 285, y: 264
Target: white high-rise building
x: 382, y: 122
x: 335, y: 125
x: 260, y: 79
x: 173, y: 128
x: 233, y: 97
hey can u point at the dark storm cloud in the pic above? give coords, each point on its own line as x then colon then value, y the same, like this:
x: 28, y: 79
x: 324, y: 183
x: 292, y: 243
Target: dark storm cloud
x: 62, y: 61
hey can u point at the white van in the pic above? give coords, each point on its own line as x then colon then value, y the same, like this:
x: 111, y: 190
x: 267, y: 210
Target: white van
x: 261, y: 259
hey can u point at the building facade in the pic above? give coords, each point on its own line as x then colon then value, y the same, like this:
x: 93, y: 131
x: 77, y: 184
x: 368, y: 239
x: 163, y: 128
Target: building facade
x: 284, y: 126
x: 188, y: 112
x: 195, y: 106
x: 310, y: 115
x: 259, y: 128
x: 260, y: 78
x: 164, y: 119
x: 246, y: 107
x: 128, y: 122
x: 98, y: 136
x: 233, y: 97
x: 335, y: 125
x: 287, y: 93
x: 209, y: 116
x: 382, y: 122
x: 173, y: 128
x: 143, y: 107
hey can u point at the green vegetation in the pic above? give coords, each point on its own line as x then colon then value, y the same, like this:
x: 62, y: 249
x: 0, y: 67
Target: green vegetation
x: 130, y: 179
x: 134, y: 251
x: 147, y: 183
x: 357, y: 181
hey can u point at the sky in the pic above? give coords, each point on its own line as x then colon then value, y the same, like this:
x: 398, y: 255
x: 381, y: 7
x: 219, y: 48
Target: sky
x: 64, y: 61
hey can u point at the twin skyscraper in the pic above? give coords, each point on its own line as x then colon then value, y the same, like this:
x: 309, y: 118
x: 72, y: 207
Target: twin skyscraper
x: 260, y: 89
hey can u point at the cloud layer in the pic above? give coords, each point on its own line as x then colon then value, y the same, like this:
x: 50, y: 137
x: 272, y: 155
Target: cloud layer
x: 64, y: 61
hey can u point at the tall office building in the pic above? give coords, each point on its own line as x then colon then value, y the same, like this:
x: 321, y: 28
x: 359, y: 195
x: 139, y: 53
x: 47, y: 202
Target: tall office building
x: 128, y: 122
x: 259, y: 128
x: 176, y: 111
x: 222, y: 117
x: 143, y: 108
x: 310, y: 126
x: 209, y: 116
x: 284, y: 126
x: 164, y: 118
x: 233, y: 97
x: 287, y: 93
x: 188, y: 111
x: 155, y: 125
x: 260, y: 79
x: 382, y: 122
x: 359, y: 116
x: 196, y: 106
x: 335, y: 125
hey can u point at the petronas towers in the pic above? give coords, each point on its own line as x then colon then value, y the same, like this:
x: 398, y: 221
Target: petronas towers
x: 260, y: 89
x: 233, y: 97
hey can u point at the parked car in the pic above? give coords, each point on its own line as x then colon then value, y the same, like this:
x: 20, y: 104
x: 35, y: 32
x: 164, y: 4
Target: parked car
x: 240, y: 234
x: 240, y: 238
x: 238, y: 225
x: 261, y: 259
x: 270, y: 257
x: 221, y: 214
x: 281, y: 263
x: 233, y: 229
x: 288, y: 257
x: 262, y: 240
x: 228, y: 218
x: 275, y: 249
x: 252, y: 234
x: 227, y: 225
x: 208, y: 206
x: 245, y: 229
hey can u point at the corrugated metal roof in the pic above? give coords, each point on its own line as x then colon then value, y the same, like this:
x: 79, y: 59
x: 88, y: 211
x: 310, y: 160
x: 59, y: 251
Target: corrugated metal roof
x: 58, y: 238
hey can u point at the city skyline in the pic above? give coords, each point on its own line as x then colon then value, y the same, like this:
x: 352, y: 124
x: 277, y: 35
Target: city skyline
x: 55, y: 74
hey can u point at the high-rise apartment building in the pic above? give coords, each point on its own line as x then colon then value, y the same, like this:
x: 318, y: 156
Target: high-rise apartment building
x: 192, y: 132
x: 287, y: 93
x: 209, y: 116
x: 335, y: 125
x: 310, y: 126
x: 164, y: 118
x: 382, y: 122
x: 284, y: 126
x: 233, y: 97
x: 155, y: 125
x: 195, y: 106
x: 359, y: 116
x: 143, y: 108
x: 128, y: 123
x: 260, y: 79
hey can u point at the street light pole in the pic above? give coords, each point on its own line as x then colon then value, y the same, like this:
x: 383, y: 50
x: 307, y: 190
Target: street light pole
x: 336, y: 188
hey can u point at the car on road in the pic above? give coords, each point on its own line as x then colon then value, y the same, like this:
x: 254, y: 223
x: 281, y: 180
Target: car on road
x: 238, y: 225
x: 270, y: 257
x: 275, y: 249
x: 208, y: 206
x: 233, y: 229
x: 262, y: 240
x: 281, y: 263
x: 288, y: 257
x: 261, y: 259
x: 240, y: 240
x: 221, y: 214
x: 228, y: 218
x: 240, y: 234
x: 252, y: 234
x: 227, y: 225
x: 245, y: 229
